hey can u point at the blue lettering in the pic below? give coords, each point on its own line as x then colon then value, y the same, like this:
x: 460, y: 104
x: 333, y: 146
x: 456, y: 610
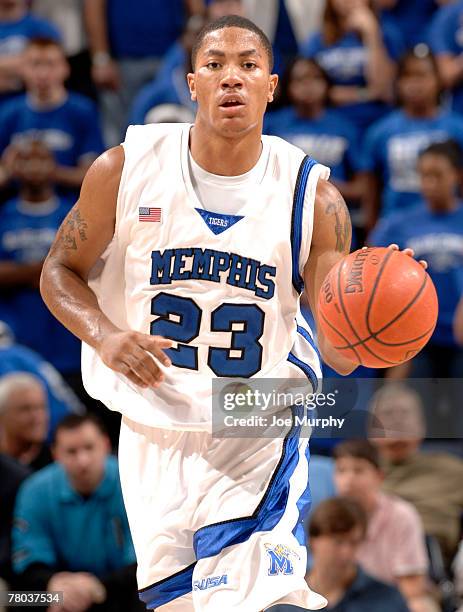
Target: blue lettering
x: 179, y: 263
x: 265, y: 271
x: 221, y: 263
x: 160, y: 267
x: 201, y: 264
x: 238, y: 271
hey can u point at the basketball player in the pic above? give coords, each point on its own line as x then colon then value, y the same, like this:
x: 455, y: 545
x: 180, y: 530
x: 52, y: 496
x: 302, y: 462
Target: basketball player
x: 184, y: 260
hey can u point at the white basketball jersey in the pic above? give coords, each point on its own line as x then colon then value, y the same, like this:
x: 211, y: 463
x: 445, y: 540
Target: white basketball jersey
x: 224, y: 288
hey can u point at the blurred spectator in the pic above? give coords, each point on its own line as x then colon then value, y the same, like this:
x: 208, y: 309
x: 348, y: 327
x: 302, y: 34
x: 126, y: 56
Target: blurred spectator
x: 17, y: 358
x: 337, y: 529
x: 411, y: 17
x: 446, y: 41
x: 66, y: 122
x: 170, y: 87
x: 359, y: 55
x: 128, y: 41
x: 28, y: 225
x: 319, y: 131
x: 220, y: 8
x: 434, y: 230
x: 24, y: 420
x: 429, y: 481
x: 67, y: 16
x: 17, y: 26
x: 393, y: 145
x: 79, y: 496
x: 394, y: 549
x: 12, y: 474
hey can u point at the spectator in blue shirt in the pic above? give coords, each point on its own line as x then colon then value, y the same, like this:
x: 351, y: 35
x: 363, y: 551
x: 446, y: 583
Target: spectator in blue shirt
x: 319, y: 131
x: 66, y: 122
x: 170, y: 87
x: 28, y: 225
x: 411, y: 17
x: 337, y: 528
x: 434, y: 230
x: 359, y: 56
x: 18, y: 358
x: 70, y: 527
x: 128, y: 41
x: 17, y: 26
x: 393, y: 145
x: 446, y: 40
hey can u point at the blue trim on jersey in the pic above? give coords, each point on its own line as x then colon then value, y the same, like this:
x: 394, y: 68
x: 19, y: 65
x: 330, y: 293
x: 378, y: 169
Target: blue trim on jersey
x: 303, y: 505
x: 305, y: 334
x: 297, y: 217
x: 212, y: 539
x: 308, y: 371
x: 168, y: 589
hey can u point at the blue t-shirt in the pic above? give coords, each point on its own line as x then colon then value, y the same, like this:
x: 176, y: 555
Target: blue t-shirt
x: 345, y: 62
x: 56, y: 526
x: 26, y: 234
x: 168, y: 88
x: 412, y: 19
x: 330, y: 139
x: 61, y: 399
x: 446, y: 37
x: 145, y: 28
x: 437, y: 238
x: 366, y: 594
x: 71, y: 130
x: 392, y: 147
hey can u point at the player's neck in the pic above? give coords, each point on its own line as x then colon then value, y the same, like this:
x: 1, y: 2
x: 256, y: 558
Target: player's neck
x: 225, y: 156
x: 36, y: 194
x: 309, y: 111
x: 48, y: 99
x: 422, y: 111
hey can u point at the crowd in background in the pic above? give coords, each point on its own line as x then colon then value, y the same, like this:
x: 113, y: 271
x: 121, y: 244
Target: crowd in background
x: 371, y: 88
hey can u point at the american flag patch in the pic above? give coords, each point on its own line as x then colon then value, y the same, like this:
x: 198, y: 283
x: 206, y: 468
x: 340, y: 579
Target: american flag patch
x: 151, y: 215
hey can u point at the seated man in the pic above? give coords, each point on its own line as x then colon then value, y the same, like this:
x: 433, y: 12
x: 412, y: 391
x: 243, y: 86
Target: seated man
x: 66, y: 122
x: 337, y: 529
x: 70, y: 528
x: 429, y: 481
x: 24, y: 420
x: 394, y: 549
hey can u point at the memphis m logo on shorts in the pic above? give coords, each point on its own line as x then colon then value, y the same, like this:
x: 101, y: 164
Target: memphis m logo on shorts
x: 209, y: 582
x: 280, y: 559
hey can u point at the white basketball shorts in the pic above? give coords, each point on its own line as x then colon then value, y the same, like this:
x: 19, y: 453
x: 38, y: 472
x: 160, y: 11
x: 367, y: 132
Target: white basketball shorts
x: 216, y: 522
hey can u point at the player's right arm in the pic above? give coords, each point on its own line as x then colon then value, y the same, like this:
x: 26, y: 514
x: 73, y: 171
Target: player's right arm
x: 82, y: 238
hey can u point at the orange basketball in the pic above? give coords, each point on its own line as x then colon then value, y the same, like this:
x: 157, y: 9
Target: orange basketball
x: 378, y: 307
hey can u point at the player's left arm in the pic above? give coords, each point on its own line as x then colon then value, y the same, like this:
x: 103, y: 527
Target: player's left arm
x: 331, y: 239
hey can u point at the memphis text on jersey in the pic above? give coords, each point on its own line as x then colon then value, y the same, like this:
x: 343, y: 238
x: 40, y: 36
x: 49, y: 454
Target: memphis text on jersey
x: 211, y: 265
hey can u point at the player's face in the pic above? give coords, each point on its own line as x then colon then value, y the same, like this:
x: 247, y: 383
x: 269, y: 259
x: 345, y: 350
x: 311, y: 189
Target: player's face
x: 44, y: 69
x: 83, y: 452
x: 232, y: 82
x: 439, y: 181
x: 356, y: 478
x: 418, y: 84
x: 337, y: 552
x: 307, y: 84
x: 26, y: 417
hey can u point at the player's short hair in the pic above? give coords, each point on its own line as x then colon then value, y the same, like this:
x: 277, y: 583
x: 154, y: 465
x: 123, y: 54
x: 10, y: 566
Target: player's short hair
x: 450, y: 149
x: 337, y: 516
x: 358, y: 449
x: 16, y: 381
x: 44, y: 42
x: 232, y: 21
x: 74, y: 421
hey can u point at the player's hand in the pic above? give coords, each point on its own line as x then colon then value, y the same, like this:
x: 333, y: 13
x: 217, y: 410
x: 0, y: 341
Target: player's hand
x: 410, y: 253
x: 131, y: 354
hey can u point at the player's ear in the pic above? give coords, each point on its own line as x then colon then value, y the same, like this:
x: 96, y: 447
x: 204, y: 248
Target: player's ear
x: 272, y: 85
x: 192, y: 86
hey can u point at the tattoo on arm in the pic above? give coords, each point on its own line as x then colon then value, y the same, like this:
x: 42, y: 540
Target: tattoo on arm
x: 73, y: 229
x: 342, y: 226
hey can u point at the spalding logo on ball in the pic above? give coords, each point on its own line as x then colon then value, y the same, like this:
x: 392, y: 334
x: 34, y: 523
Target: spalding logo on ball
x: 378, y: 307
